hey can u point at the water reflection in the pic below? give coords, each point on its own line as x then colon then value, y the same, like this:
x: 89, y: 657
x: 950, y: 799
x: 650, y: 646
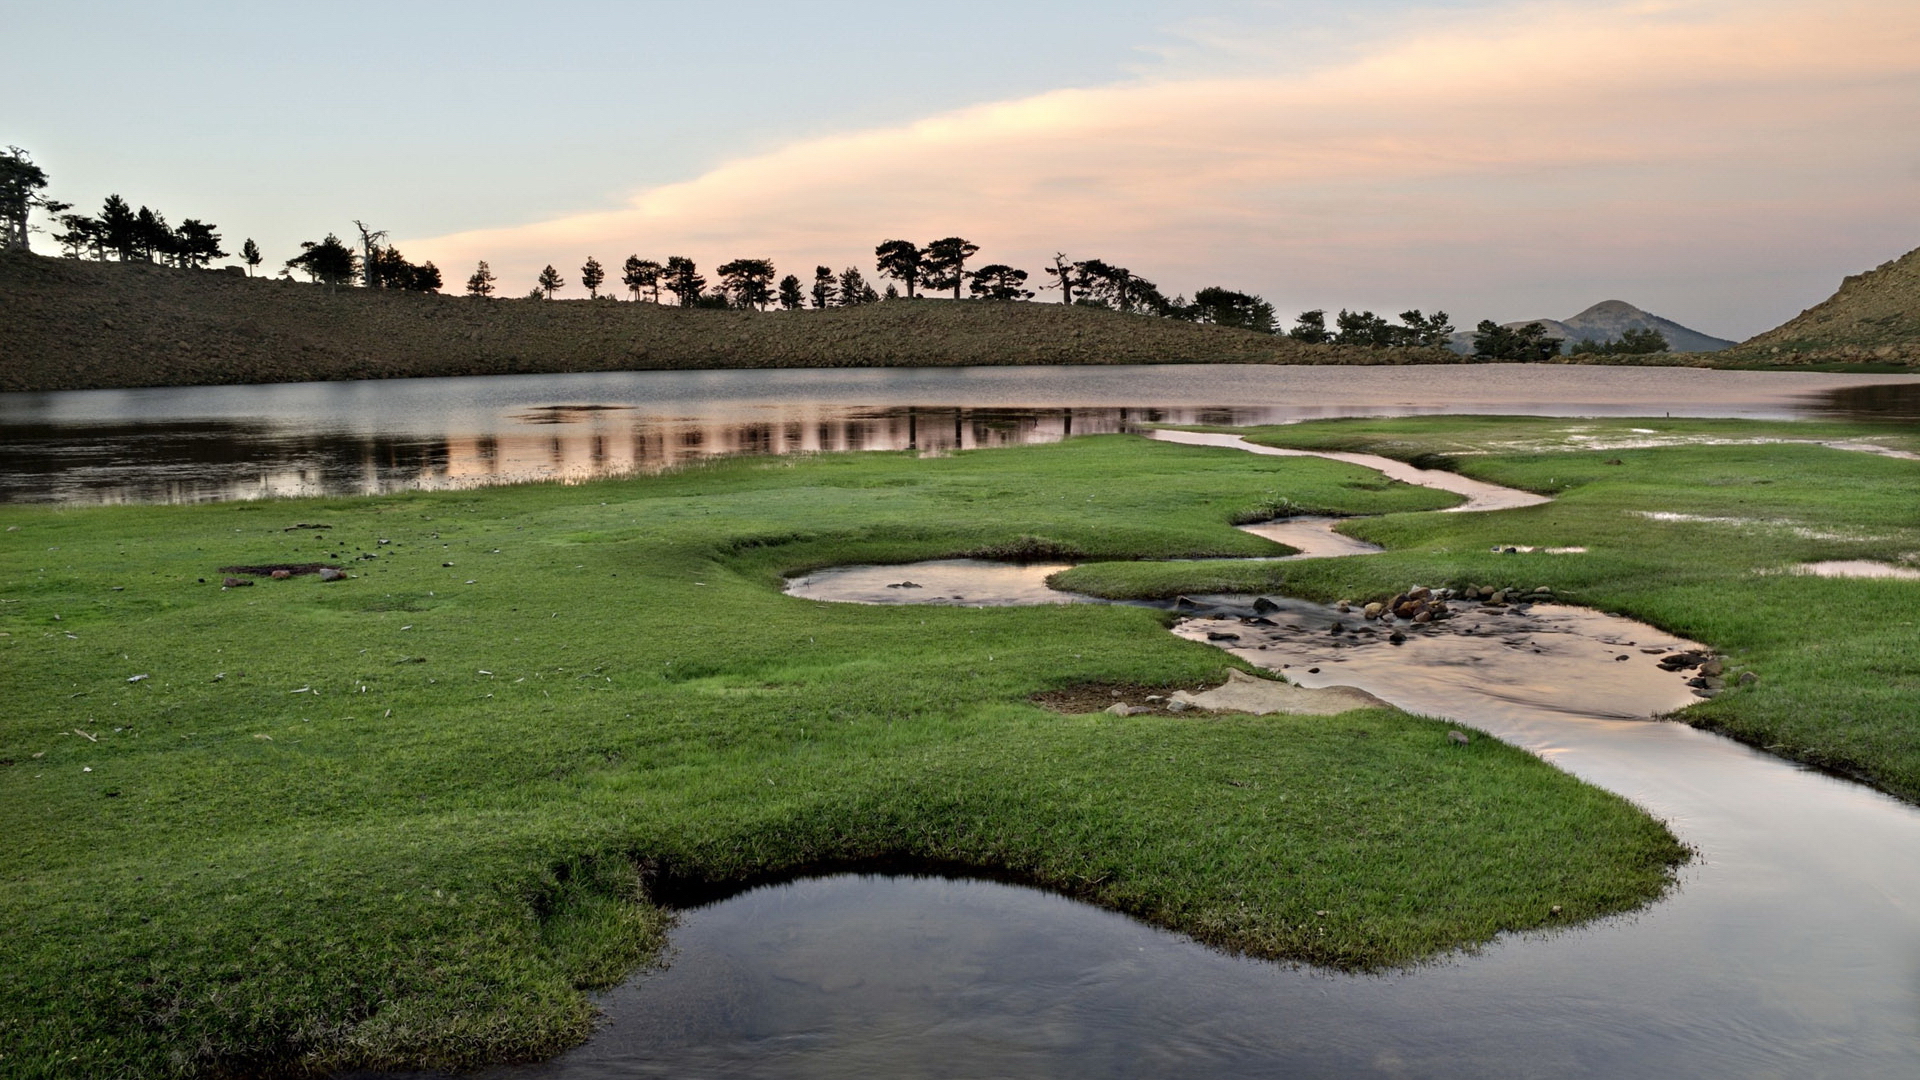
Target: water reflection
x: 242, y: 442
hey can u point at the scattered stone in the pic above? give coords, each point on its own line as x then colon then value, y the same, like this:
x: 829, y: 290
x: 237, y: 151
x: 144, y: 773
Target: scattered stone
x: 1177, y: 705
x: 328, y: 573
x: 1419, y: 592
x: 1313, y: 671
x: 1510, y: 550
x: 1498, y: 596
x: 1748, y: 678
x: 1542, y: 590
x: 904, y: 585
x: 1343, y: 607
x: 1264, y: 606
x: 1423, y: 616
x: 1374, y: 610
x: 1459, y: 738
x: 1189, y: 603
x: 1712, y: 667
x: 1396, y: 637
x: 1259, y: 620
x: 1121, y: 708
x: 1337, y: 629
x: 235, y: 583
x: 1222, y: 635
x: 1622, y: 656
x: 281, y: 575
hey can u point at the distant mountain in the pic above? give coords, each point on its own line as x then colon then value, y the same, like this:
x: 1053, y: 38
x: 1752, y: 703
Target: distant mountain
x: 1606, y: 321
x: 1874, y: 316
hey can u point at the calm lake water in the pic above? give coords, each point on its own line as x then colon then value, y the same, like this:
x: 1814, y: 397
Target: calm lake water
x: 196, y: 444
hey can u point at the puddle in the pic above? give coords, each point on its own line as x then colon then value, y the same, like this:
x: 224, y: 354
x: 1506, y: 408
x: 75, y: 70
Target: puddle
x: 1480, y: 495
x: 949, y: 582
x: 1857, y: 568
x: 1313, y: 536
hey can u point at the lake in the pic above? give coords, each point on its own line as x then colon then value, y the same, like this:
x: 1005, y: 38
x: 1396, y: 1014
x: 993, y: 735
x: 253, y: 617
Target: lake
x: 198, y: 444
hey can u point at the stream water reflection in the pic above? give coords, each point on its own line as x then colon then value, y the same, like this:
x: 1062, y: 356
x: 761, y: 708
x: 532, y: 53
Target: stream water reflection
x: 196, y: 444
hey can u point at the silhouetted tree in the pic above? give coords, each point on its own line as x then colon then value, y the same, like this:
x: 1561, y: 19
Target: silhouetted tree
x: 1311, y: 327
x: 21, y: 182
x: 824, y: 290
x: 1528, y: 343
x: 426, y: 278
x: 197, y: 243
x: 1430, y: 331
x: 1065, y: 276
x: 329, y: 261
x: 1363, y: 328
x: 481, y: 283
x: 152, y: 236
x: 1636, y: 342
x: 944, y: 264
x: 1226, y: 307
x: 593, y: 275
x: 791, y: 298
x: 83, y: 236
x: 998, y: 281
x: 899, y: 260
x: 682, y: 278
x: 747, y: 282
x: 638, y: 274
x: 550, y: 281
x: 391, y: 270
x: 854, y: 289
x: 1112, y: 286
x: 121, y: 227
x: 250, y: 254
x: 370, y: 240
x: 892, y: 293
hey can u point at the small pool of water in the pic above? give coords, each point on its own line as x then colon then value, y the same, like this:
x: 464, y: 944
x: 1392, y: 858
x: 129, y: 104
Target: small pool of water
x: 1857, y: 568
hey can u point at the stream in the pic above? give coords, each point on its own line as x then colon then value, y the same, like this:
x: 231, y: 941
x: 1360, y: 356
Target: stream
x: 1789, y: 947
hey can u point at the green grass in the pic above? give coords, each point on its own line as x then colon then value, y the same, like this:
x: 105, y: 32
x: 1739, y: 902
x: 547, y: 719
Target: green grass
x: 406, y: 819
x: 1839, y: 660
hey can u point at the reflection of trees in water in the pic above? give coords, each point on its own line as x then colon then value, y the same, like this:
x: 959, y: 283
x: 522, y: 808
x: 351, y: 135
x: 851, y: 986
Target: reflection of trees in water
x: 213, y: 460
x: 1880, y: 401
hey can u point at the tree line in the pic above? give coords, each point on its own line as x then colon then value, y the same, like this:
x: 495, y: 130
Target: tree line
x: 119, y: 230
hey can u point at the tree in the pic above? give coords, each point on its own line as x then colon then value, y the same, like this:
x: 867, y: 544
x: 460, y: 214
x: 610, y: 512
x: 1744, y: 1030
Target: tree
x: 747, y: 282
x: 1311, y: 328
x: 1065, y: 276
x: 329, y: 261
x: 197, y: 243
x: 120, y: 227
x: 550, y: 282
x: 854, y: 289
x: 250, y: 254
x: 824, y: 290
x: 1364, y: 328
x: 593, y: 275
x: 1526, y: 344
x: 151, y: 234
x: 83, y: 236
x: 1430, y: 331
x: 391, y: 270
x: 426, y: 278
x: 998, y: 281
x: 791, y: 298
x: 639, y: 273
x: 481, y: 283
x: 892, y: 293
x: 1225, y: 307
x: 682, y: 278
x: 1636, y: 342
x: 370, y: 239
x: 1111, y: 286
x: 21, y: 182
x: 944, y: 264
x: 899, y: 260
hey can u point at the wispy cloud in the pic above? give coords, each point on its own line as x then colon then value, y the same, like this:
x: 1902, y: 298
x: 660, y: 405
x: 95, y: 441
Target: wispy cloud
x: 1502, y: 158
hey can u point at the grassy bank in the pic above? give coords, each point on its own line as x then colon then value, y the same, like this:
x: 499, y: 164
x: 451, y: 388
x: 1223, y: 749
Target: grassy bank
x: 73, y: 325
x: 406, y: 818
x: 1839, y: 660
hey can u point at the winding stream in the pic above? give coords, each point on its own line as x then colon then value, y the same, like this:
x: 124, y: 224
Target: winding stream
x: 1789, y: 948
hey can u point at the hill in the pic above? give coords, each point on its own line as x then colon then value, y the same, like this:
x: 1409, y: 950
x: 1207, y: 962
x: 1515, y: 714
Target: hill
x: 71, y: 325
x: 1606, y: 321
x: 1874, y: 316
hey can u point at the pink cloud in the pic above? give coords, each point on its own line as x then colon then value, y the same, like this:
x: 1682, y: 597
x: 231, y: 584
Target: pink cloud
x: 1454, y: 165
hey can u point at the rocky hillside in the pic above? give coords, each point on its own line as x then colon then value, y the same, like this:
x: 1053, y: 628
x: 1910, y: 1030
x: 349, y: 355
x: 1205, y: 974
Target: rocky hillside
x: 1874, y: 317
x: 70, y: 325
x: 1607, y: 321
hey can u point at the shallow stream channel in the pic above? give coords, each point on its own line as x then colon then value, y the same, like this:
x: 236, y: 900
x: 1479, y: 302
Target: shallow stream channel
x: 1790, y: 946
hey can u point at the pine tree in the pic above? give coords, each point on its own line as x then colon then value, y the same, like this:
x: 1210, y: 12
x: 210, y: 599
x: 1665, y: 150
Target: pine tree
x: 824, y: 290
x: 944, y: 263
x: 550, y: 281
x: 854, y: 289
x: 900, y: 260
x: 592, y: 275
x: 748, y: 282
x: 250, y: 254
x: 682, y: 278
x: 481, y: 283
x: 791, y: 298
x: 639, y: 273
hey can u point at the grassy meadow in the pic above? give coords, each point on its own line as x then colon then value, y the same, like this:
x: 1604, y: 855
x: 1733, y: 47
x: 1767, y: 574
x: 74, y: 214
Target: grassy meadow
x: 408, y: 818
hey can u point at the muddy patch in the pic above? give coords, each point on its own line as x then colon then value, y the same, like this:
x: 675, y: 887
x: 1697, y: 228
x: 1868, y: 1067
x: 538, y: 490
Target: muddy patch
x: 1856, y: 568
x: 941, y: 582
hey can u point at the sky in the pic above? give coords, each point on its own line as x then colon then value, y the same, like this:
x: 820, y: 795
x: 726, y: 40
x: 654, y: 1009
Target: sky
x: 1719, y: 163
